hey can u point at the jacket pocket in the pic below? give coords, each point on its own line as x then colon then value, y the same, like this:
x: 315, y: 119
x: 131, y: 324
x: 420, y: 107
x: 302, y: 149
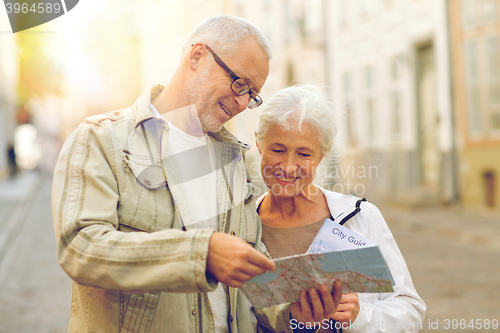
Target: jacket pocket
x: 137, y: 312
x: 145, y: 201
x: 146, y: 170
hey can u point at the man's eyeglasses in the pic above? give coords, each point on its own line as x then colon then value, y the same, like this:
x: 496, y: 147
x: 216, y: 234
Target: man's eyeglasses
x: 239, y: 86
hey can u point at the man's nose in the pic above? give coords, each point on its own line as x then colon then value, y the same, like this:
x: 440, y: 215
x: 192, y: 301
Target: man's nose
x: 242, y: 101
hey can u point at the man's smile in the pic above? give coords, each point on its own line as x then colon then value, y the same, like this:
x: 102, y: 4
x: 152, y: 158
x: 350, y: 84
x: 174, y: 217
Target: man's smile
x: 226, y: 110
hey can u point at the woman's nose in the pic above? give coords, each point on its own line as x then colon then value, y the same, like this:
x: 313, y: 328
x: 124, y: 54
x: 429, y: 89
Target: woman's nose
x: 288, y: 165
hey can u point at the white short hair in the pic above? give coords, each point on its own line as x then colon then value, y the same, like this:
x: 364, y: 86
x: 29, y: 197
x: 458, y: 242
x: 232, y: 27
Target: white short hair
x: 303, y: 103
x: 224, y: 33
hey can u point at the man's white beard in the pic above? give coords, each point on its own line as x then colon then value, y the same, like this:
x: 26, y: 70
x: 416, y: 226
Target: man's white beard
x: 193, y: 95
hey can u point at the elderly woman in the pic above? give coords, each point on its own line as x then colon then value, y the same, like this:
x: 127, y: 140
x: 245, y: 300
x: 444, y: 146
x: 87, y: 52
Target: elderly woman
x: 295, y: 131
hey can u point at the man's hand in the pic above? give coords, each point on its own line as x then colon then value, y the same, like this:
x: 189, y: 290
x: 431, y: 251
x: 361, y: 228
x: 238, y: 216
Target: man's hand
x: 233, y: 262
x: 348, y: 310
x: 323, y: 304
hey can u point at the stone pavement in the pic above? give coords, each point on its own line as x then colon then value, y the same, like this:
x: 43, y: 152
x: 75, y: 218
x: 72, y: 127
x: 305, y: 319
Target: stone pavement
x: 453, y: 258
x: 449, y: 222
x: 35, y: 292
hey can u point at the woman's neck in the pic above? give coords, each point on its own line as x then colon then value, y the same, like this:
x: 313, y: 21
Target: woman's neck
x: 306, y: 207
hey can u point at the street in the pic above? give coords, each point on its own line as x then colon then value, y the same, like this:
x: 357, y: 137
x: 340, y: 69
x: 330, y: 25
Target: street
x: 456, y: 272
x: 456, y: 280
x: 35, y: 293
x: 453, y: 259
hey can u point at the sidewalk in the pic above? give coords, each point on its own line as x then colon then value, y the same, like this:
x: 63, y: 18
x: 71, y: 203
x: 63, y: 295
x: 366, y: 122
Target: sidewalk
x: 453, y: 260
x: 448, y: 222
x: 15, y: 195
x: 18, y: 187
x: 452, y: 255
x: 15, y: 190
x: 35, y: 292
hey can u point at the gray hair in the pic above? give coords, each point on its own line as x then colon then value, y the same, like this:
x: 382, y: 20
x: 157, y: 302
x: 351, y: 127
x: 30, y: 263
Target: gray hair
x: 303, y: 103
x: 224, y: 33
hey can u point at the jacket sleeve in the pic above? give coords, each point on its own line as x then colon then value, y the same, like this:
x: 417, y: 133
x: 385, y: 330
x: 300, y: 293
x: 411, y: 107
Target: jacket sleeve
x: 400, y: 311
x: 91, y: 248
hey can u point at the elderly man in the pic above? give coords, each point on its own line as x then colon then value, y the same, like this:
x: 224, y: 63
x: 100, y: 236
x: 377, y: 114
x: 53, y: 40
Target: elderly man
x: 153, y: 205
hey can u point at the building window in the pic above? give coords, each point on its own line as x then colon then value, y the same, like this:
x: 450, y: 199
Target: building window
x: 347, y: 89
x: 482, y: 85
x: 370, y: 104
x: 490, y: 11
x: 368, y: 77
x: 478, y: 13
x: 395, y: 96
x: 370, y: 117
x: 493, y: 84
x: 313, y: 17
x: 396, y: 115
x: 367, y: 7
x: 267, y: 20
x: 472, y: 88
x: 289, y: 23
x: 343, y: 12
x: 468, y: 14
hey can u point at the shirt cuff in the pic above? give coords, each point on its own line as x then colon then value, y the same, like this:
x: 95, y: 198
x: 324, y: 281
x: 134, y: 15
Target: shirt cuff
x: 360, y: 324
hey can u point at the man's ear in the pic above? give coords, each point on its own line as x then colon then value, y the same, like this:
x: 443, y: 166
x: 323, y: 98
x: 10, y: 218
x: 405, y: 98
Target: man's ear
x: 196, y: 53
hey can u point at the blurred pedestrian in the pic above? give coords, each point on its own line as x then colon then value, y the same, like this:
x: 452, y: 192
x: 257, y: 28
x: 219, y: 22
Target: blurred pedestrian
x: 12, y: 160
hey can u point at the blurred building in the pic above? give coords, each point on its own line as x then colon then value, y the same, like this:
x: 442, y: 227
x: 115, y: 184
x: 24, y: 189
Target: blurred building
x: 83, y: 63
x: 391, y: 70
x: 415, y: 82
x: 297, y: 33
x: 475, y: 33
x: 165, y: 25
x: 8, y: 99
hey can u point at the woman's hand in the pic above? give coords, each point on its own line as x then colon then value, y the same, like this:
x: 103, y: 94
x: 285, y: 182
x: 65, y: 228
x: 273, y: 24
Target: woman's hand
x: 348, y: 310
x: 323, y: 304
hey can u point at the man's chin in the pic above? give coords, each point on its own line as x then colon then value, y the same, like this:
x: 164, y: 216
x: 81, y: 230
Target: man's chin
x: 210, y: 123
x: 212, y: 126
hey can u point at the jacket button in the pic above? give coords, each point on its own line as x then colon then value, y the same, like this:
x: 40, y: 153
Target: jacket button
x: 147, y: 182
x: 249, y: 181
x: 193, y: 312
x: 233, y: 233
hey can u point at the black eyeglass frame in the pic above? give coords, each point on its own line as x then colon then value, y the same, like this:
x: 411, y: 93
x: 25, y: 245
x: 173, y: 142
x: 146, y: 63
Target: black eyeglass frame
x: 256, y: 100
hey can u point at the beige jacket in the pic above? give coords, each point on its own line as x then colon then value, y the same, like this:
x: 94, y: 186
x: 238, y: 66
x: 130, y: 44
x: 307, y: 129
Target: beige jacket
x: 118, y: 220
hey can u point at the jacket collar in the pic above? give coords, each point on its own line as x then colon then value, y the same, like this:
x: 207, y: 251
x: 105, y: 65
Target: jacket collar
x: 142, y: 107
x: 143, y: 111
x: 225, y: 136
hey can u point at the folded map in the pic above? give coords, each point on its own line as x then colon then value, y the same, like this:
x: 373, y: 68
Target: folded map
x: 351, y: 257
